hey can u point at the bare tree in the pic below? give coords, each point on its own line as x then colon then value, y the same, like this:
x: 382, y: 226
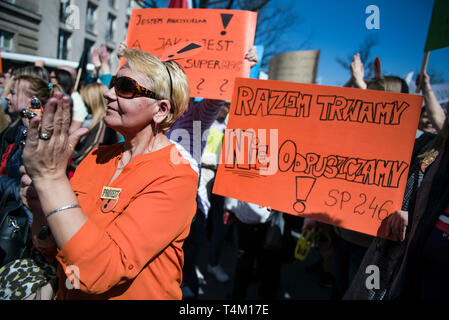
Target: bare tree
x: 273, y: 22
x: 365, y: 56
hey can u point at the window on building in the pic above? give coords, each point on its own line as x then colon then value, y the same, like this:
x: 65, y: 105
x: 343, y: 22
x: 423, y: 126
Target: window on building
x: 63, y: 44
x: 112, y: 4
x: 110, y: 28
x: 129, y: 8
x: 88, y: 44
x: 62, y: 10
x: 91, y: 17
x: 6, y: 40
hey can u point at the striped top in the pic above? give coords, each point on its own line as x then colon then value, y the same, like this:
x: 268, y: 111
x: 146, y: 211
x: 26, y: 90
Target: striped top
x: 443, y: 221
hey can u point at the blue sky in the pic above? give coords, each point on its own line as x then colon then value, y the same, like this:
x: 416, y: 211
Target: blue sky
x: 337, y: 28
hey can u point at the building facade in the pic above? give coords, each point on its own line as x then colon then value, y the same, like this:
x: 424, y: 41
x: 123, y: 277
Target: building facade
x: 60, y: 29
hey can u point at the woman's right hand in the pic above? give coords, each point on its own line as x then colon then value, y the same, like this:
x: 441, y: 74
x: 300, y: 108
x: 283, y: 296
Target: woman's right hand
x: 30, y: 199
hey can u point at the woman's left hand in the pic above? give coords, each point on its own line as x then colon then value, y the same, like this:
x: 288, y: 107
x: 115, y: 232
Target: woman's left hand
x: 397, y: 225
x: 48, y: 146
x: 358, y: 72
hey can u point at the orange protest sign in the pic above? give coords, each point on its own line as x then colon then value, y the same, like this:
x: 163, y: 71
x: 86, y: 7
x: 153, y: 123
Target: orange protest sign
x: 226, y: 36
x: 337, y: 155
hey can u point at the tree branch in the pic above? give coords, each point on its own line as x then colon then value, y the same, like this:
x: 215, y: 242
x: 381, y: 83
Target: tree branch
x: 145, y: 3
x: 260, y: 6
x: 230, y: 3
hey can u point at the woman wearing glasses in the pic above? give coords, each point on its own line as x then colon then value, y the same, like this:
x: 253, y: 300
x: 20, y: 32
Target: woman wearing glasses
x: 117, y: 224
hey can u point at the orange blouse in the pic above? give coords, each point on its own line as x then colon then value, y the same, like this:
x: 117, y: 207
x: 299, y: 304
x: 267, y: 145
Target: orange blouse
x: 130, y: 248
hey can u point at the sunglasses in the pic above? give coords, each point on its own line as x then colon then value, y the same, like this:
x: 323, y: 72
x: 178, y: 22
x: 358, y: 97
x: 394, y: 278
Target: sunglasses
x: 128, y: 88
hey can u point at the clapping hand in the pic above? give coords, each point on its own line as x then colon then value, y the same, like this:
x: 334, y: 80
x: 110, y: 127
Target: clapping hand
x: 48, y: 145
x: 121, y: 49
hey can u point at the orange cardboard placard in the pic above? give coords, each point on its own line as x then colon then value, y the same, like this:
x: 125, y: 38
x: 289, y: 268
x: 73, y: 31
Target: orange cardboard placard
x: 226, y: 36
x: 333, y: 154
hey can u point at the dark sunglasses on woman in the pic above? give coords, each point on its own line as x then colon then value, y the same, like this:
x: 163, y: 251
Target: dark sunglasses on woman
x: 128, y: 88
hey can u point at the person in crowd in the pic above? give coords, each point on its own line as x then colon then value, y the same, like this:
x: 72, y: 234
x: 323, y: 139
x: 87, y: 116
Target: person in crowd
x: 425, y: 124
x: 350, y: 247
x: 64, y: 79
x: 2, y: 82
x: 8, y: 80
x: 387, y: 254
x: 259, y: 255
x: 195, y: 123
x: 216, y: 225
x: 422, y: 271
x: 119, y: 219
x: 99, y: 134
x: 26, y: 87
x: 79, y: 109
x: 33, y: 70
x: 5, y: 119
x: 324, y: 235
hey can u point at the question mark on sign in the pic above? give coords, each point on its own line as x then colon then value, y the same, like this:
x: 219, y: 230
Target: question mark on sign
x: 226, y: 81
x: 200, y: 84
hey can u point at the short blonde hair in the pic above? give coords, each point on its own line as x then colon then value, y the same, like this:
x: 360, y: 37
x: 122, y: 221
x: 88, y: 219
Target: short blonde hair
x: 176, y: 89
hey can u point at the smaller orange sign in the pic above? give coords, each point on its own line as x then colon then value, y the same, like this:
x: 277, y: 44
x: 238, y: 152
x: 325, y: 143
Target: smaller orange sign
x: 225, y: 36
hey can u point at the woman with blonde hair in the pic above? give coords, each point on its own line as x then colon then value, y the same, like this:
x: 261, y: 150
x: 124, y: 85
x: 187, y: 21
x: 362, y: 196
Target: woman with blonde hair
x: 120, y: 223
x: 24, y: 89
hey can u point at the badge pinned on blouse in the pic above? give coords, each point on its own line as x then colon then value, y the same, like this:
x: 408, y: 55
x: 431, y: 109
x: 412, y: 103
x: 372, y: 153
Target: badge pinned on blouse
x: 110, y: 198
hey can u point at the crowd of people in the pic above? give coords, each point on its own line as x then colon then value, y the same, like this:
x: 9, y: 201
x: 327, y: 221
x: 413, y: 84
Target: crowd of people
x: 94, y: 207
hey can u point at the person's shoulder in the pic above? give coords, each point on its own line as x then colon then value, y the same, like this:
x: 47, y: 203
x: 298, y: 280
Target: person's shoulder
x: 180, y: 160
